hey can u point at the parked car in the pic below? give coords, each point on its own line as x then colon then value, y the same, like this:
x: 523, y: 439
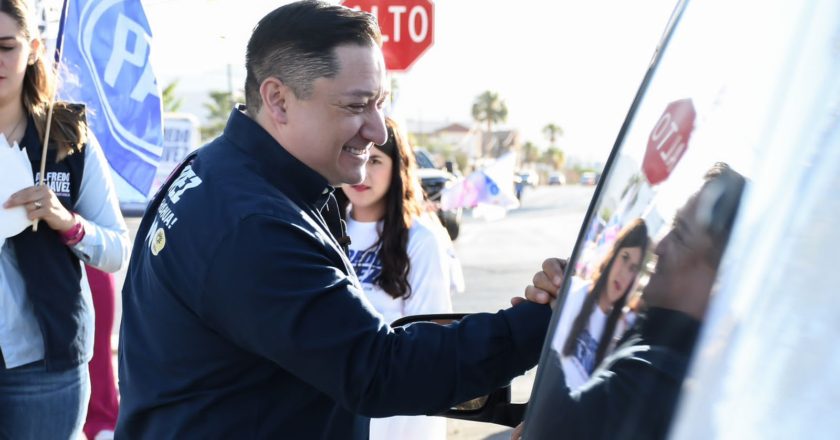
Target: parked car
x: 764, y: 363
x: 588, y: 178
x: 434, y: 180
x: 529, y: 178
x: 556, y: 178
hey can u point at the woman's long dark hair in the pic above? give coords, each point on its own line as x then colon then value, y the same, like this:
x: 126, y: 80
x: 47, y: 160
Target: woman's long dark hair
x: 633, y: 235
x: 402, y: 206
x: 68, y: 131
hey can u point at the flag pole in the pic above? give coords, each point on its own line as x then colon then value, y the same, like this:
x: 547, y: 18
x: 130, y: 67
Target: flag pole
x: 59, y: 41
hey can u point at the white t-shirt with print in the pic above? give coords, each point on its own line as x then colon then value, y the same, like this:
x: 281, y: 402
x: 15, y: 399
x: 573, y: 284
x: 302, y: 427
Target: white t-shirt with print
x: 429, y: 278
x: 579, y: 365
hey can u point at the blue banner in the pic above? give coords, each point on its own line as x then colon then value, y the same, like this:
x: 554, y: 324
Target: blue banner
x: 105, y: 65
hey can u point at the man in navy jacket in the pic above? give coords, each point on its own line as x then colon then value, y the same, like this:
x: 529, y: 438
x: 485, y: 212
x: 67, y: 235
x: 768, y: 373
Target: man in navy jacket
x: 634, y: 392
x: 242, y: 317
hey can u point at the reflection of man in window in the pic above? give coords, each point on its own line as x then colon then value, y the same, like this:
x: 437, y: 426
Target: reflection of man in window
x: 633, y: 393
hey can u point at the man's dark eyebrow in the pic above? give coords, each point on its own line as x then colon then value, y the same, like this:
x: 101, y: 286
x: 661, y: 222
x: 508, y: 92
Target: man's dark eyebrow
x: 360, y: 93
x: 12, y: 37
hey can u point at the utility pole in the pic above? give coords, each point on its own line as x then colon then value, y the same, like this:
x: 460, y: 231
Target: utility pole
x: 230, y: 85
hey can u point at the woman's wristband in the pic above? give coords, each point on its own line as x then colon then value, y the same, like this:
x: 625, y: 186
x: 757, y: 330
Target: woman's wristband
x: 75, y: 234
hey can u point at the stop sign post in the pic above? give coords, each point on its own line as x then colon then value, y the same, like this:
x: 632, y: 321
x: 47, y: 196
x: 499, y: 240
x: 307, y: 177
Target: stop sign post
x: 407, y: 28
x: 668, y: 140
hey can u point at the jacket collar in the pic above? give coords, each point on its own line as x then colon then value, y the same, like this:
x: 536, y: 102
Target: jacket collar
x: 669, y: 327
x: 276, y: 165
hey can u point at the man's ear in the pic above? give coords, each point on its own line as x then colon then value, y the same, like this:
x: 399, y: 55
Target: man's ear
x: 275, y: 98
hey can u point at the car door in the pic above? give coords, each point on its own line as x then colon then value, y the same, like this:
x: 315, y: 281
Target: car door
x: 765, y: 102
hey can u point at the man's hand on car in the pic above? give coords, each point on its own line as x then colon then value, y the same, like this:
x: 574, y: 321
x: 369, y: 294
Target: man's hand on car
x: 546, y: 283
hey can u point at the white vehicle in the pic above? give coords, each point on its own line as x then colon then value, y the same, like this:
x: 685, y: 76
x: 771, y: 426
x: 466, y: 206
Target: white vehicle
x: 755, y: 84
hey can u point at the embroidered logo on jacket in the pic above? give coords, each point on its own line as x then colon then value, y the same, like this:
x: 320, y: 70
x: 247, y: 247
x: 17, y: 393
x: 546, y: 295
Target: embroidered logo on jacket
x: 158, y: 241
x: 166, y: 218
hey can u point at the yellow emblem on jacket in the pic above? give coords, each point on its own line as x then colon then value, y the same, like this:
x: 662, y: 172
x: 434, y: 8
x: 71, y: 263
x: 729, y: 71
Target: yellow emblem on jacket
x: 158, y: 241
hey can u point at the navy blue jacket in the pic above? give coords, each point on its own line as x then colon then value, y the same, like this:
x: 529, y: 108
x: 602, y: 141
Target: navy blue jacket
x: 243, y: 318
x: 631, y: 395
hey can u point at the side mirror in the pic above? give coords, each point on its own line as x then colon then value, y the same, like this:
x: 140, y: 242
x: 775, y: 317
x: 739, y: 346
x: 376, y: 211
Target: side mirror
x: 495, y: 407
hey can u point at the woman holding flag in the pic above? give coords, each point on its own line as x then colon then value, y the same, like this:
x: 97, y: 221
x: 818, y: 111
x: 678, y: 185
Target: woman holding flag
x: 46, y: 316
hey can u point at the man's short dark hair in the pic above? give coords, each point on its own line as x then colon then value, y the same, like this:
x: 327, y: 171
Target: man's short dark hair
x: 295, y: 43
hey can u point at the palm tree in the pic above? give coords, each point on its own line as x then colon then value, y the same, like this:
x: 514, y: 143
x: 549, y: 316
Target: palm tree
x: 219, y: 108
x: 551, y: 132
x: 490, y: 109
x: 530, y: 153
x: 171, y: 103
x: 555, y: 157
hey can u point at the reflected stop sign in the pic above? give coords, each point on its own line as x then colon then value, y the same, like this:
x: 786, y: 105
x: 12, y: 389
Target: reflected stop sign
x: 668, y: 140
x: 407, y: 28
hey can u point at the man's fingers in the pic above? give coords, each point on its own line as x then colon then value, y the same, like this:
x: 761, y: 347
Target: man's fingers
x: 542, y: 281
x: 546, y: 284
x: 517, y: 432
x: 516, y: 300
x: 536, y: 295
x: 554, y: 268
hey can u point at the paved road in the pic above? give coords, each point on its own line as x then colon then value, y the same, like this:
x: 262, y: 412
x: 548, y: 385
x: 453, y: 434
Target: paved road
x: 499, y: 258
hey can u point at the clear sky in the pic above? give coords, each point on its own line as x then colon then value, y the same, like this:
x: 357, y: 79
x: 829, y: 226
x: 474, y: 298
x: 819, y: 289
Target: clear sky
x: 574, y: 63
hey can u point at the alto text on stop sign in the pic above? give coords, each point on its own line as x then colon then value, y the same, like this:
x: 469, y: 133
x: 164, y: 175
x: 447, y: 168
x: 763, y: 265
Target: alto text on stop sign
x: 407, y: 28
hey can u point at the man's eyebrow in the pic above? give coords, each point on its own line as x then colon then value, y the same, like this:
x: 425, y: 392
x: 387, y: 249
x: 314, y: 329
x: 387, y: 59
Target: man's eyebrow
x: 360, y: 93
x: 8, y: 37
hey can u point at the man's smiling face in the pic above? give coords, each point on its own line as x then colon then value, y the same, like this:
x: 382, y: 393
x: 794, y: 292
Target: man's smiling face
x: 333, y: 128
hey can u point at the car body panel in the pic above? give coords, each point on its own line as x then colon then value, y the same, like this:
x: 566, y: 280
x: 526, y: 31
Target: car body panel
x: 762, y: 368
x: 434, y: 180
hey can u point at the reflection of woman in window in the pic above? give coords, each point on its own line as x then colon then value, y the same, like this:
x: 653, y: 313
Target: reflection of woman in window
x: 593, y: 308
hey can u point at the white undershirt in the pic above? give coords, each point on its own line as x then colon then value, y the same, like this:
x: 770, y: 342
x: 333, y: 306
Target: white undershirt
x: 430, y: 281
x: 577, y: 367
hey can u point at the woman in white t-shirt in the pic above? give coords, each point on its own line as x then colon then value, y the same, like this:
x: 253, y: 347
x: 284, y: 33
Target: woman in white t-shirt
x: 593, y: 310
x: 401, y: 255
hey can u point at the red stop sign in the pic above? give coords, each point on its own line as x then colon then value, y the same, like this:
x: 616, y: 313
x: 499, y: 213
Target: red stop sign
x: 668, y: 140
x: 407, y: 28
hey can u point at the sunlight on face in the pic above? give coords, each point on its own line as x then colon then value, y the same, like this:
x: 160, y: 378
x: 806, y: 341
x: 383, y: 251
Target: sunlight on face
x: 15, y: 52
x: 624, y: 271
x: 333, y: 130
x: 368, y: 198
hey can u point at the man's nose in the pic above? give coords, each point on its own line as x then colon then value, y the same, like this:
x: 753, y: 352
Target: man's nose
x: 374, y: 128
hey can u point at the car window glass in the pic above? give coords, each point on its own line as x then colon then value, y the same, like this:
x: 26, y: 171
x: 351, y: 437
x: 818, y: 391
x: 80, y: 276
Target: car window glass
x: 705, y: 102
x: 423, y: 159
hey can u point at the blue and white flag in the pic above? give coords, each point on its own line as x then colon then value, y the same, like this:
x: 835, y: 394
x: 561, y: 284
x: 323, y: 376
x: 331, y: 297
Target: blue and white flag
x: 105, y: 65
